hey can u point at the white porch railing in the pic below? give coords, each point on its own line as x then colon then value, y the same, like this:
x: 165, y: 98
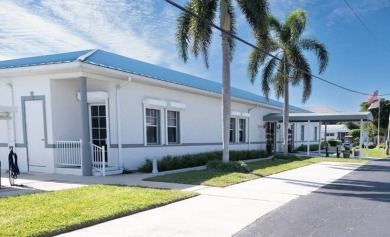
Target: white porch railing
x: 68, y: 153
x: 99, y: 158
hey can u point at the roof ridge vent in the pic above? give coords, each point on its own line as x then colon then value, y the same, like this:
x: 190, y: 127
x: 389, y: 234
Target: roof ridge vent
x: 83, y: 57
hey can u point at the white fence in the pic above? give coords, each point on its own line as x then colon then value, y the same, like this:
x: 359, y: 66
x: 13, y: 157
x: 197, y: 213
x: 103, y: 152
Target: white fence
x: 99, y: 159
x: 68, y: 153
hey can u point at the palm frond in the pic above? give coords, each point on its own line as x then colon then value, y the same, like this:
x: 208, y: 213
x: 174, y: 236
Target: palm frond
x: 301, y: 71
x: 256, y: 14
x: 306, y: 87
x: 253, y: 65
x: 279, y: 80
x: 267, y: 76
x: 296, y: 23
x: 182, y: 36
x: 319, y: 49
x: 297, y: 59
x: 199, y: 33
x: 275, y: 24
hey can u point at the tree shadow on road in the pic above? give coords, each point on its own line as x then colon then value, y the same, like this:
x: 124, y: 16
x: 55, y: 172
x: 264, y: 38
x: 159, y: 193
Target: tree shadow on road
x: 373, y: 186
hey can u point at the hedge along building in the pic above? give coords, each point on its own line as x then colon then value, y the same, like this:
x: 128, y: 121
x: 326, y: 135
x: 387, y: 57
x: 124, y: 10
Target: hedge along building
x: 134, y: 110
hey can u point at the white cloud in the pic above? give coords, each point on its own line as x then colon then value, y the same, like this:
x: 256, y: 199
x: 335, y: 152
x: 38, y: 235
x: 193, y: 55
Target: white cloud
x: 23, y: 34
x: 50, y: 26
x: 142, y: 30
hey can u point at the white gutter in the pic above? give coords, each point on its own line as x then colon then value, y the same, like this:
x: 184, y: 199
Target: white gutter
x: 118, y: 121
x: 12, y: 140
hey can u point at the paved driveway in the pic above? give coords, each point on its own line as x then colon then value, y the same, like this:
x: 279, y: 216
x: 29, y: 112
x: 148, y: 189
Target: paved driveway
x: 222, y: 211
x: 356, y: 205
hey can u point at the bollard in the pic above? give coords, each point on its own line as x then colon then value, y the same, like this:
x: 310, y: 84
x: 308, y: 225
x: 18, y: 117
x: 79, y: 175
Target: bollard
x: 155, y: 169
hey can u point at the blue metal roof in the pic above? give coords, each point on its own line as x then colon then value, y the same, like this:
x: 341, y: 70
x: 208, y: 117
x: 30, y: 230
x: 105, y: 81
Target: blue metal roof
x: 42, y: 60
x: 117, y: 62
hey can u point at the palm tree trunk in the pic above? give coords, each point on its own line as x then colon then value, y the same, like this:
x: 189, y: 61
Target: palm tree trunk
x: 285, y: 110
x: 226, y: 109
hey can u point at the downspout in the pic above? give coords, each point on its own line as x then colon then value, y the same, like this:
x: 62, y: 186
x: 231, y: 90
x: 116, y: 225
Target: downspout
x: 249, y: 137
x: 12, y: 142
x: 118, y: 121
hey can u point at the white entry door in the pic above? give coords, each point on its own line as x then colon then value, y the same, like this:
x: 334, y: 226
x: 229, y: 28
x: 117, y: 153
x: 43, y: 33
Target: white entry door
x: 35, y: 135
x: 98, y: 126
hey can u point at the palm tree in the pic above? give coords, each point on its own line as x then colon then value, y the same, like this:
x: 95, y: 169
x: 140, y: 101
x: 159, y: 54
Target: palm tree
x: 194, y: 35
x: 288, y: 44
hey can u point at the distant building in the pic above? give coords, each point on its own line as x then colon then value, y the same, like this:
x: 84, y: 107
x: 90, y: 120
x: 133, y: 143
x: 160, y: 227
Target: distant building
x: 334, y: 132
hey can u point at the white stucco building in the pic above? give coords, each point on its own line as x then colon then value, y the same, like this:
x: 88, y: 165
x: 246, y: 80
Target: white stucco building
x: 134, y: 110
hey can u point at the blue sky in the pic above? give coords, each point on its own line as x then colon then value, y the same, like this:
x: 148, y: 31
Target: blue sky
x: 144, y: 30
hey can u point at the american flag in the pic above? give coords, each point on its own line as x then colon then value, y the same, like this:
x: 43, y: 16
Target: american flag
x: 374, y: 97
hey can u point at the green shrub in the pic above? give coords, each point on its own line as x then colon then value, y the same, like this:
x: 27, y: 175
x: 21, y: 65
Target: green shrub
x: 313, y: 147
x: 371, y: 146
x: 232, y: 166
x: 334, y: 142
x: 355, y: 133
x: 147, y: 166
x: 170, y: 162
x: 247, y: 154
x: 381, y: 145
x: 280, y: 156
x: 324, y: 143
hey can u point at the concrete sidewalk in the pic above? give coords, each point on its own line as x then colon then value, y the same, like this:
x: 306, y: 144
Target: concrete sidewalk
x: 33, y: 182
x: 222, y: 211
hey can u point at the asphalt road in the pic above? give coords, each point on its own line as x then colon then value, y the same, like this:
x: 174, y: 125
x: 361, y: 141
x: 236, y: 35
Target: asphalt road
x: 356, y: 205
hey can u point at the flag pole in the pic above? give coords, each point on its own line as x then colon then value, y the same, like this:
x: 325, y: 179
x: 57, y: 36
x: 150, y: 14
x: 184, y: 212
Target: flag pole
x: 388, y: 138
x: 379, y: 116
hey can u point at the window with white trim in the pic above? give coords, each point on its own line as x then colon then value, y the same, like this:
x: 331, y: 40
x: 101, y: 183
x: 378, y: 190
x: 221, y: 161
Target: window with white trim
x: 302, y: 132
x: 153, y: 126
x: 232, y: 133
x: 173, y: 127
x: 241, y: 130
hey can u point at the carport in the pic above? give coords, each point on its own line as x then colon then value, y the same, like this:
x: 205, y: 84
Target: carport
x: 323, y: 118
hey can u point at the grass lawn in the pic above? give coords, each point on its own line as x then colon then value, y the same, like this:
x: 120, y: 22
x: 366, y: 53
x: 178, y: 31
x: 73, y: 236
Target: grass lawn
x: 375, y: 152
x: 259, y: 169
x: 61, y: 211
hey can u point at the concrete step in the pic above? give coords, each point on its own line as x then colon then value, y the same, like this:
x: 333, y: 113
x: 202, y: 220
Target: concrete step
x: 110, y: 170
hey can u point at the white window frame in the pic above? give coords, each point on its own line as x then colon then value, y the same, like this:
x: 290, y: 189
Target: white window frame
x: 244, y: 130
x: 234, y: 129
x: 302, y: 132
x: 178, y: 127
x: 159, y: 130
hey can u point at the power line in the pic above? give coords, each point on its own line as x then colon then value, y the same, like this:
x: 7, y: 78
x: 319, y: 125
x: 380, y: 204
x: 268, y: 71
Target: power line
x: 261, y: 50
x: 366, y: 27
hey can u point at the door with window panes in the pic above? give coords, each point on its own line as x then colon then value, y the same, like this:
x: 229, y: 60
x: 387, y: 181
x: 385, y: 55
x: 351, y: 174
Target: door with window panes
x: 98, y: 126
x: 270, y: 137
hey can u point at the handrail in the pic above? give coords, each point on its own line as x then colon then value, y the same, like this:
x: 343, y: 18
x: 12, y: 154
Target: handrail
x: 99, y: 158
x: 69, y: 153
